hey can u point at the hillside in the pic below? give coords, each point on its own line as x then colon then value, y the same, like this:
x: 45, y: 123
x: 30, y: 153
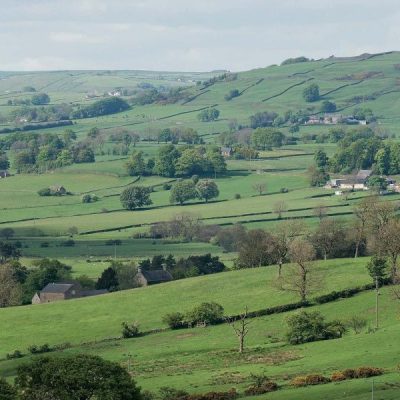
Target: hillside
x: 204, y: 359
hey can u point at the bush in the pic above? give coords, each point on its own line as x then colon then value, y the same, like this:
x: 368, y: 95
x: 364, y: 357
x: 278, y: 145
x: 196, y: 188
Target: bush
x: 357, y: 323
x: 367, y: 372
x: 167, y: 186
x: 230, y: 395
x: 44, y: 192
x: 311, y: 326
x: 45, y: 348
x: 89, y: 198
x: 262, y: 384
x: 308, y: 380
x: 15, y: 354
x: 168, y: 393
x: 68, y: 243
x: 237, y: 196
x: 209, y: 313
x: 338, y: 376
x: 130, y: 331
x: 174, y: 320
x: 283, y: 190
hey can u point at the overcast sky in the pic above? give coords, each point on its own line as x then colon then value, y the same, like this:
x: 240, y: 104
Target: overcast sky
x: 187, y: 35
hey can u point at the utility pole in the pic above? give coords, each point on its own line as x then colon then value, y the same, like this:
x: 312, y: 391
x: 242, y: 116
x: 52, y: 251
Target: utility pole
x: 115, y: 251
x: 129, y: 355
x: 373, y: 389
x: 376, y: 303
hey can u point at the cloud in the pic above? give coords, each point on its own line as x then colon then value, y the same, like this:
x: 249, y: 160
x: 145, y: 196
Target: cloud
x: 188, y: 35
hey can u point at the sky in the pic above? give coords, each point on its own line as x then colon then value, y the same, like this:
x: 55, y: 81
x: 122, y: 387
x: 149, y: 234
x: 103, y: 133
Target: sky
x: 186, y: 35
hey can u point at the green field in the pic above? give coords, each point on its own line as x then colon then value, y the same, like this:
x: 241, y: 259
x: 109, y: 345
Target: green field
x: 200, y: 359
x: 205, y: 359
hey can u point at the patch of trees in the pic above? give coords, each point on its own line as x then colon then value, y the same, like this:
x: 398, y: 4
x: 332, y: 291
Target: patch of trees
x: 225, y: 77
x: 179, y: 134
x: 106, y: 106
x: 267, y: 138
x: 40, y: 99
x: 208, y: 115
x: 36, y: 126
x: 172, y: 161
x: 134, y: 197
x: 262, y: 119
x: 118, y: 276
x: 295, y: 60
x: 185, y: 267
x: 363, y: 149
x: 328, y: 106
x: 232, y: 94
x: 149, y: 94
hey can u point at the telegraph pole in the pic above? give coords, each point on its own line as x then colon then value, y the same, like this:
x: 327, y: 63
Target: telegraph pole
x: 373, y: 389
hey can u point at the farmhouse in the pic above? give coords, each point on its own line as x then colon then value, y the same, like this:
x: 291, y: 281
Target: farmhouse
x: 357, y: 182
x: 63, y: 291
x: 226, y: 151
x: 145, y: 278
x: 4, y: 173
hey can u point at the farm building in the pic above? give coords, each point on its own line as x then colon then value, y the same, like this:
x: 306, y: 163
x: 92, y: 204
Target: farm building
x: 63, y: 291
x: 357, y: 182
x: 145, y: 278
x: 4, y: 173
x: 58, y: 189
x: 226, y: 151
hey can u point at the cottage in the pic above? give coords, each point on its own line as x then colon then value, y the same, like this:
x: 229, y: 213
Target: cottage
x: 145, y: 278
x: 63, y: 291
x: 4, y: 173
x: 226, y: 151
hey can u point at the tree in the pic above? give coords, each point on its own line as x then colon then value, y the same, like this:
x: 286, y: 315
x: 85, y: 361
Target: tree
x: 7, y: 233
x: 10, y: 288
x: 108, y: 280
x: 320, y: 211
x: 279, y: 207
x: 328, y: 106
x: 387, y: 243
x: 377, y: 183
x: 183, y: 191
x: 135, y: 197
x: 240, y: 327
x: 377, y: 269
x: 136, y: 165
x: 216, y: 161
x: 255, y: 249
x: 299, y: 278
x: 207, y: 189
x: 283, y: 235
x: 262, y: 119
x: 233, y: 93
x: 321, y: 159
x: 8, y: 251
x: 311, y: 93
x: 78, y: 377
x: 267, y: 138
x: 4, y: 161
x: 209, y: 114
x: 317, y: 176
x: 7, y: 392
x: 208, y: 313
x: 166, y: 160
x: 40, y: 99
x: 192, y: 162
x: 329, y: 234
x: 259, y: 187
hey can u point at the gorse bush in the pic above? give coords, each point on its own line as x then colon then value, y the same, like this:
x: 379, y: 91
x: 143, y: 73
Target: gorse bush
x: 308, y: 380
x: 174, y: 320
x: 130, y: 331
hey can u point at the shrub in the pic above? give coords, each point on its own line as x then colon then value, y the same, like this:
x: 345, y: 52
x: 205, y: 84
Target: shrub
x: 357, y: 323
x: 308, y: 380
x: 284, y: 190
x: 130, y: 331
x: 311, y: 326
x: 68, y: 243
x: 44, y: 192
x: 89, y: 198
x: 237, y: 196
x: 167, y: 186
x: 169, y: 393
x: 262, y: 384
x: 174, y: 320
x: 15, y: 354
x: 230, y: 395
x: 34, y: 349
x: 210, y: 313
x: 338, y: 376
x: 367, y: 372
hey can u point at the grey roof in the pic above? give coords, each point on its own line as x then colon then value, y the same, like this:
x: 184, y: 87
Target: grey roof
x: 226, y: 149
x: 158, y: 275
x: 57, y: 287
x: 364, y: 173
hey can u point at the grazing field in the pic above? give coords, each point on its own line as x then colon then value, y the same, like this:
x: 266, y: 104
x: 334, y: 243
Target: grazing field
x: 88, y: 227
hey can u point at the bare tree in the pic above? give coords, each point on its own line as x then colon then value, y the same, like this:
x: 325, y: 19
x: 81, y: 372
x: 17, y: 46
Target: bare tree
x: 240, y: 327
x: 299, y: 277
x: 329, y: 233
x: 279, y: 207
x: 10, y: 289
x: 283, y: 235
x: 387, y: 242
x: 260, y: 187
